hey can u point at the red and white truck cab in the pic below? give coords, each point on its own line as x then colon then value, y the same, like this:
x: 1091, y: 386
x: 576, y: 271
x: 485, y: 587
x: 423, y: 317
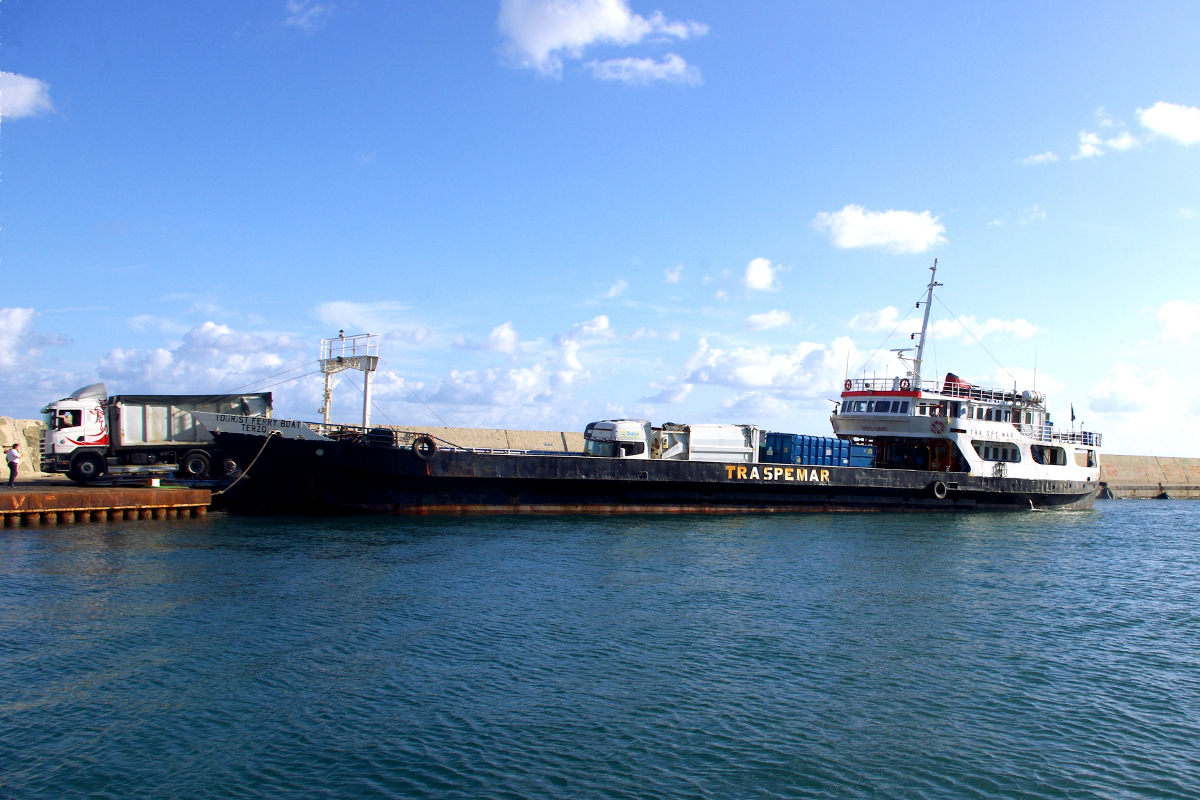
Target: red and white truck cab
x: 89, y: 434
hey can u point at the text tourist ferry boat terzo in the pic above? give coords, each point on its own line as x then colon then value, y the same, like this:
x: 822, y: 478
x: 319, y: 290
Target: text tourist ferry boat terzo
x: 909, y: 444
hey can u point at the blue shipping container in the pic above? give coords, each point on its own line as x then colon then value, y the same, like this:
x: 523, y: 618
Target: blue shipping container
x: 794, y: 448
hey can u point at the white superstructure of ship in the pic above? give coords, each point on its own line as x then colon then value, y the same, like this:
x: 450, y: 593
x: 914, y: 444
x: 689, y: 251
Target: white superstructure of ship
x: 952, y: 426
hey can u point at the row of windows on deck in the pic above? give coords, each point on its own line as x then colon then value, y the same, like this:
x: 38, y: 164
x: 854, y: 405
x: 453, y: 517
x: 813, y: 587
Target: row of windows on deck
x: 952, y: 409
x: 875, y: 406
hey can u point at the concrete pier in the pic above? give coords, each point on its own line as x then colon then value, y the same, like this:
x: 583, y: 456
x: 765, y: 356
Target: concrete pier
x: 42, y: 503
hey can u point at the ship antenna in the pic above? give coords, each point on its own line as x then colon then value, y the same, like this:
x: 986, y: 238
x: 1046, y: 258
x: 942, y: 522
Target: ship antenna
x: 924, y: 325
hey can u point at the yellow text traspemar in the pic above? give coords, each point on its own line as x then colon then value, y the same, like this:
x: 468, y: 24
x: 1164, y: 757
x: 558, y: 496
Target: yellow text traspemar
x: 735, y: 471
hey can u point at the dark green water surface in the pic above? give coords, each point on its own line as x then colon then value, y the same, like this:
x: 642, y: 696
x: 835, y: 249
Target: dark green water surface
x: 988, y: 656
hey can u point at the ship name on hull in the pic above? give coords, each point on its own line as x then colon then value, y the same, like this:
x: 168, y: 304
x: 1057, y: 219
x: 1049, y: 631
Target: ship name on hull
x: 755, y: 473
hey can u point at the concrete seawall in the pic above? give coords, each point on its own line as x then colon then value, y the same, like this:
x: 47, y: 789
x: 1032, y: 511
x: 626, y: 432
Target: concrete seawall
x: 1150, y: 476
x: 500, y: 439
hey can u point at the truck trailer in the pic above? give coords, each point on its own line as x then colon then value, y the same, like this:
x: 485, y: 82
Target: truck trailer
x: 89, y: 434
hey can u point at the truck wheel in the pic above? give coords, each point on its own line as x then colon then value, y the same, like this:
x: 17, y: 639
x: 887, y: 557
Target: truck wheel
x: 86, y: 467
x: 195, y: 465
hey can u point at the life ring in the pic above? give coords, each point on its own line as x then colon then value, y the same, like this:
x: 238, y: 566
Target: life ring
x: 905, y: 384
x: 937, y: 426
x: 939, y: 490
x: 847, y: 384
x: 424, y: 447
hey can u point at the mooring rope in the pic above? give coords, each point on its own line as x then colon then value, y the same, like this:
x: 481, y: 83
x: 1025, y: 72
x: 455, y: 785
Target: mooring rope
x: 253, y: 461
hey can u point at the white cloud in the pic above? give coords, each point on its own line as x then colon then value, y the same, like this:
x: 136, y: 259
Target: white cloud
x: 306, y: 15
x: 649, y: 333
x: 644, y: 71
x: 617, y: 288
x: 146, y: 323
x: 22, y: 96
x: 898, y: 231
x: 1180, y: 320
x: 1092, y: 145
x: 756, y: 404
x: 769, y: 319
x: 721, y: 295
x: 518, y: 386
x: 408, y: 336
x: 569, y: 343
x: 673, y: 274
x: 1181, y: 123
x: 950, y: 328
x: 761, y: 276
x: 351, y: 316
x: 672, y: 392
x: 1125, y: 390
x: 1031, y: 214
x: 502, y: 339
x: 541, y: 33
x: 807, y: 370
x: 19, y: 345
x: 1025, y: 379
x: 1047, y: 157
x: 885, y: 319
x: 594, y: 328
x: 26, y: 382
x: 1123, y: 141
x: 212, y: 358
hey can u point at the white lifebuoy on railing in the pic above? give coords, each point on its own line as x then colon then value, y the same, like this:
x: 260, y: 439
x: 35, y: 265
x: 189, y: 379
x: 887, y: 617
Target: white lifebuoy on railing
x: 847, y: 385
x: 905, y: 384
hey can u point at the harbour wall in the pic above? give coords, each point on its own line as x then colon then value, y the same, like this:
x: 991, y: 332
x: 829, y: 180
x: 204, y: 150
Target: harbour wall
x: 501, y: 439
x: 1129, y: 477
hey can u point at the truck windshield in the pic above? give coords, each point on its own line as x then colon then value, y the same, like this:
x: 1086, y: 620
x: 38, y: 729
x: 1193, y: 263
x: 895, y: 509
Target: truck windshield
x: 591, y: 447
x: 67, y: 418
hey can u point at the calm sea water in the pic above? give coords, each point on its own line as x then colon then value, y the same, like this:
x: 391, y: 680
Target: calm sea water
x: 990, y: 656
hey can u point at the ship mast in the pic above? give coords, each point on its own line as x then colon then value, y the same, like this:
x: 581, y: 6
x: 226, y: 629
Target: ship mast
x: 924, y: 325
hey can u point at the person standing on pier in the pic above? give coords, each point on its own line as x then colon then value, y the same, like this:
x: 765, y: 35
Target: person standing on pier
x: 13, y: 457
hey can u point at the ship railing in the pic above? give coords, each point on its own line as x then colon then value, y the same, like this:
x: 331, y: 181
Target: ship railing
x: 962, y: 391
x: 347, y: 347
x: 1050, y: 434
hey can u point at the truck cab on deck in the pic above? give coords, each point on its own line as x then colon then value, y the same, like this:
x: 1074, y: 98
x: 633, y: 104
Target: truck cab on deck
x: 618, y: 438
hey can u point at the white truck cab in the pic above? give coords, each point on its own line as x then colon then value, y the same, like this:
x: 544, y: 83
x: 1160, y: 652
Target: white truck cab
x: 618, y: 438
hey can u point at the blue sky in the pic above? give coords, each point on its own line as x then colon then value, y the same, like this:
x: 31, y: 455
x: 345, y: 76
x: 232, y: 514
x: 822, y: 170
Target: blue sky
x: 555, y: 212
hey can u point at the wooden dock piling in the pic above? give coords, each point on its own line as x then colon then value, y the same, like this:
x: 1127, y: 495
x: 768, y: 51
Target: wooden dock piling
x: 70, y: 505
